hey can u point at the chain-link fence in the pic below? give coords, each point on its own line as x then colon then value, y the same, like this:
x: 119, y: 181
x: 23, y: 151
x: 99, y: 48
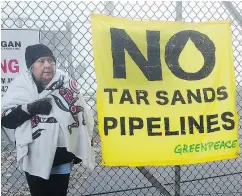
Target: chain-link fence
x: 66, y: 29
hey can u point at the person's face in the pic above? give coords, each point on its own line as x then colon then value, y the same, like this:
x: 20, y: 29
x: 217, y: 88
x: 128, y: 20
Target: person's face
x: 44, y: 69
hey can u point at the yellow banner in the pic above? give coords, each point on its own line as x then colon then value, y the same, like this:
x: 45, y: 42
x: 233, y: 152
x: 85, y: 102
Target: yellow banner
x: 165, y: 91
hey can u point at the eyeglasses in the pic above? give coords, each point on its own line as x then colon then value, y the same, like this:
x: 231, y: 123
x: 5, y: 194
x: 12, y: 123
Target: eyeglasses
x: 49, y: 60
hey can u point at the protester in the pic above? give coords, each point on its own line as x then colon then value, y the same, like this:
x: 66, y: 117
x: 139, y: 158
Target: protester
x: 53, y: 126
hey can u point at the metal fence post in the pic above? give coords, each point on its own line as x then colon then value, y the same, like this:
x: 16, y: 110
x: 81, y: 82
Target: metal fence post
x: 177, y: 180
x: 154, y: 181
x: 177, y: 167
x: 233, y: 11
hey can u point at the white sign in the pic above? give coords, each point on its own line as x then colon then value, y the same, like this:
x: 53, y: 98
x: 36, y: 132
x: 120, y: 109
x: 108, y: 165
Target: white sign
x: 13, y: 45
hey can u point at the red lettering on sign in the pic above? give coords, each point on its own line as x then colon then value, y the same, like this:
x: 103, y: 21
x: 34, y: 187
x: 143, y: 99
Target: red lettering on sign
x: 11, y: 66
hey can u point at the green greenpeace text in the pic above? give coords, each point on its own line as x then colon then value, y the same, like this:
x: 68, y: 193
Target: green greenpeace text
x: 201, y: 147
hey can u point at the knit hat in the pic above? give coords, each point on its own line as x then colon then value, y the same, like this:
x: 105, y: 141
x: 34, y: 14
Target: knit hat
x: 32, y: 53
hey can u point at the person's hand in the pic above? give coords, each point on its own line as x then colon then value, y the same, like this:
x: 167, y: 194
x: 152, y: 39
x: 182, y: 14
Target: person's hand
x: 41, y: 106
